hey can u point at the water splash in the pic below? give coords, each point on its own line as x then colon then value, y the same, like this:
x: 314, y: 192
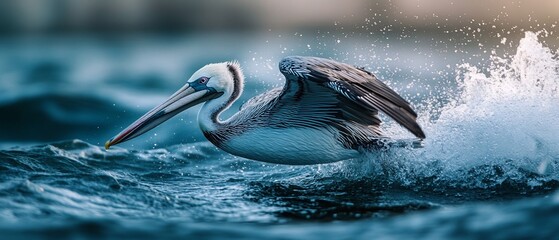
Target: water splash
x: 500, y: 128
x: 503, y: 113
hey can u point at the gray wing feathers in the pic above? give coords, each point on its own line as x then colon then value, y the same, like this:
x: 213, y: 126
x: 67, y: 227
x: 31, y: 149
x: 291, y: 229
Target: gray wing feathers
x: 360, y: 93
x: 258, y: 100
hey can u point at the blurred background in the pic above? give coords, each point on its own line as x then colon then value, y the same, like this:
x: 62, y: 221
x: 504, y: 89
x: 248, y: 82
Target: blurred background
x: 78, y: 69
x: 152, y: 16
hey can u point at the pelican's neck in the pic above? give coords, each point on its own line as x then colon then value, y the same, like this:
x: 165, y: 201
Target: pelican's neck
x: 208, y: 117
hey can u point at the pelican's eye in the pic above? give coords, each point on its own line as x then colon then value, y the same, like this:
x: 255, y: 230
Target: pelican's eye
x: 203, y: 80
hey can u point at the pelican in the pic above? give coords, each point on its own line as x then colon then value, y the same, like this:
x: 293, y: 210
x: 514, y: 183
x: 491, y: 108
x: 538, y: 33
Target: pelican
x: 326, y: 112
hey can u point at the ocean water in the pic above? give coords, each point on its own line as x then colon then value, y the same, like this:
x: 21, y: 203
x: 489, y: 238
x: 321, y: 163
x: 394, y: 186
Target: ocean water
x: 489, y: 167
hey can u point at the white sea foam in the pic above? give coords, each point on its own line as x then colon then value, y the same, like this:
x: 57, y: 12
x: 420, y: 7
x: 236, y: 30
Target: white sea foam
x: 502, y: 123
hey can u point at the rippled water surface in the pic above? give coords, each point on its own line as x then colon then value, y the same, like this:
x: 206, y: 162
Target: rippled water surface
x: 489, y: 167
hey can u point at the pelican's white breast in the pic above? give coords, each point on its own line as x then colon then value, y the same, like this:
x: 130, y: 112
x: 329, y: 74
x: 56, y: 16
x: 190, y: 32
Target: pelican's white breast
x: 294, y: 146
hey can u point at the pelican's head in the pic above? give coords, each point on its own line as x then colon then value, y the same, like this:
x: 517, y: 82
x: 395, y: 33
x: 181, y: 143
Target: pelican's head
x: 209, y: 82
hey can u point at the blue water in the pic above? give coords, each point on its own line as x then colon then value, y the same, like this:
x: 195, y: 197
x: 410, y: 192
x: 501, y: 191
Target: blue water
x: 489, y: 168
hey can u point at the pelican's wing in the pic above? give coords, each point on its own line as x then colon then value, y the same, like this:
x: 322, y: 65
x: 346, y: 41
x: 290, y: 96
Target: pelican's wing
x: 261, y: 99
x: 328, y: 89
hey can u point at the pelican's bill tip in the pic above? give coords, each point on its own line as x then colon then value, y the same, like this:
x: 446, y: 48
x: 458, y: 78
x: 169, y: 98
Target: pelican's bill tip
x: 108, y: 144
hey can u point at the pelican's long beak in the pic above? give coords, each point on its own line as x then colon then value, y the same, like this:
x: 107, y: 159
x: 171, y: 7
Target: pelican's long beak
x: 183, y: 99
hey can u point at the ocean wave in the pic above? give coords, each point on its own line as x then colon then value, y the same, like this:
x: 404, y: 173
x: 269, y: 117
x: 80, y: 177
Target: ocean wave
x: 199, y: 182
x: 532, y: 219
